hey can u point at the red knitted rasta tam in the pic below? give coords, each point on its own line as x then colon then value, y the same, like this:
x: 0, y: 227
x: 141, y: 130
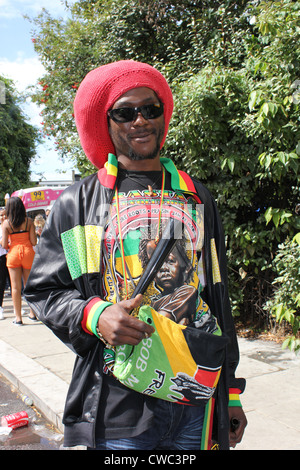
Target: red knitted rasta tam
x: 98, y: 92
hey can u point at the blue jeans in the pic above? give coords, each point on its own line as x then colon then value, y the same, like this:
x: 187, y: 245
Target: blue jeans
x: 175, y: 427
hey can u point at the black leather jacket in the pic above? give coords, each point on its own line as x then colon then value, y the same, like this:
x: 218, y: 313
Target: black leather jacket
x: 59, y: 301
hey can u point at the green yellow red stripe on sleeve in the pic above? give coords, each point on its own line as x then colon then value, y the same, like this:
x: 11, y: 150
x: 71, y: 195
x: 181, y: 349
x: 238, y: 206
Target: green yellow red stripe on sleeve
x: 234, y: 397
x: 91, y: 314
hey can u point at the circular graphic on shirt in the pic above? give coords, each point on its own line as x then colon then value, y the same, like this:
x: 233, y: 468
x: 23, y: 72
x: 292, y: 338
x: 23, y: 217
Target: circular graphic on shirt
x: 135, y: 225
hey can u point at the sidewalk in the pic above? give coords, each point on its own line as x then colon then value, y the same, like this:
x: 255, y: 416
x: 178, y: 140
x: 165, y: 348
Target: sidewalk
x: 40, y: 366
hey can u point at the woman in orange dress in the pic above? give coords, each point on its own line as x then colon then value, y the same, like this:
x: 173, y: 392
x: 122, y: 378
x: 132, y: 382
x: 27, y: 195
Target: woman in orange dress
x: 18, y: 238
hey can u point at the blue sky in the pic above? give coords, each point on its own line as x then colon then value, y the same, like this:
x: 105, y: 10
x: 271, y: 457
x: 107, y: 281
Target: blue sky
x: 19, y: 62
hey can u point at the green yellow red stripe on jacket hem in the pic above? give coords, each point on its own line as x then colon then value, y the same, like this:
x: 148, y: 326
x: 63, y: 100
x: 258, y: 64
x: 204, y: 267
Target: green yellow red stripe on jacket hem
x: 234, y: 397
x: 91, y: 314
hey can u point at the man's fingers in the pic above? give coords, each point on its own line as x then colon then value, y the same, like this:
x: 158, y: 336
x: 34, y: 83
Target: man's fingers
x: 142, y: 327
x: 130, y: 304
x: 132, y: 332
x: 119, y: 327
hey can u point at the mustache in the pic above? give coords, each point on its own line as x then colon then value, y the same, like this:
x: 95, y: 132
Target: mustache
x: 141, y: 133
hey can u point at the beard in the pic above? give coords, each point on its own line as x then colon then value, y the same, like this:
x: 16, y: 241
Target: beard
x: 134, y: 156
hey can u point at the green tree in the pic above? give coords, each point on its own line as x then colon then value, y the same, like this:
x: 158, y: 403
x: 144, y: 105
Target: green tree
x: 238, y: 128
x: 17, y: 142
x: 285, y: 303
x: 178, y: 37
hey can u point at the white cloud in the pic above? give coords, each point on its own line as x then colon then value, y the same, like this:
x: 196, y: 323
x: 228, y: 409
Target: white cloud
x: 49, y: 164
x: 8, y: 9
x: 17, y: 8
x: 24, y: 71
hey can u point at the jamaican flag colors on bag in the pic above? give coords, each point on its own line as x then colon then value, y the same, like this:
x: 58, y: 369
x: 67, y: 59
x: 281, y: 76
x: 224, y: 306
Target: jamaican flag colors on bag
x: 181, y: 364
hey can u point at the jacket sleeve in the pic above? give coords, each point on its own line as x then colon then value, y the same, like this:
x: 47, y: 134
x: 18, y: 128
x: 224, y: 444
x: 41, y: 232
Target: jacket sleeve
x: 57, y: 300
x: 216, y: 292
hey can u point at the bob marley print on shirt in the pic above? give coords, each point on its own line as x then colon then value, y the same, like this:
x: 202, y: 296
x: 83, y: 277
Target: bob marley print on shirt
x: 136, y: 221
x: 171, y: 364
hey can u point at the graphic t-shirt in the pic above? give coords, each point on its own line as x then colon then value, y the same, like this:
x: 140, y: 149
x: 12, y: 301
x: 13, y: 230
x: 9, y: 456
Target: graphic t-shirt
x: 137, y: 219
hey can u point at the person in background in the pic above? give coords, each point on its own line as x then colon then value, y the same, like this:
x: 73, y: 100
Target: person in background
x: 19, y: 238
x: 39, y: 223
x: 3, y: 268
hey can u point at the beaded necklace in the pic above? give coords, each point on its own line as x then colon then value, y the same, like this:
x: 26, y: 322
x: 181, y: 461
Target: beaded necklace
x: 120, y: 229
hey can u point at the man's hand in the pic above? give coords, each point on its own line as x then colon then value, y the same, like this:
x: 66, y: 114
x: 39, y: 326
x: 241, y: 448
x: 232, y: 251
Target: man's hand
x: 118, y: 327
x: 235, y: 436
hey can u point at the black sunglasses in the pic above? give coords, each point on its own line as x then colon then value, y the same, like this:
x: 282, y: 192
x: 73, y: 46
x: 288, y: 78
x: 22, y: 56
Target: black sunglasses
x: 149, y: 111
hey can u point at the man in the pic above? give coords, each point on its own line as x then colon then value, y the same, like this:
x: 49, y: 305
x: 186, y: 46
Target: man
x: 88, y: 264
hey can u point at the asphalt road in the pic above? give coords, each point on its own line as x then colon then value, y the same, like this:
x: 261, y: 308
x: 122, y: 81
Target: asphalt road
x: 38, y: 435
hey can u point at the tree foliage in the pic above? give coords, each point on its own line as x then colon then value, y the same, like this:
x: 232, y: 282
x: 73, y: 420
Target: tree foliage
x: 234, y: 71
x: 285, y: 303
x: 178, y: 37
x: 17, y: 143
x: 238, y: 128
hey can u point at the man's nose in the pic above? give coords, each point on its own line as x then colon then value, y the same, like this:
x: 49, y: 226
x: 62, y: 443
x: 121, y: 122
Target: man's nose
x: 139, y: 120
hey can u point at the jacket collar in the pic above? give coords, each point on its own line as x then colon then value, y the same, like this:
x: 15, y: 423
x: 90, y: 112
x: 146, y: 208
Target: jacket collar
x: 180, y: 181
